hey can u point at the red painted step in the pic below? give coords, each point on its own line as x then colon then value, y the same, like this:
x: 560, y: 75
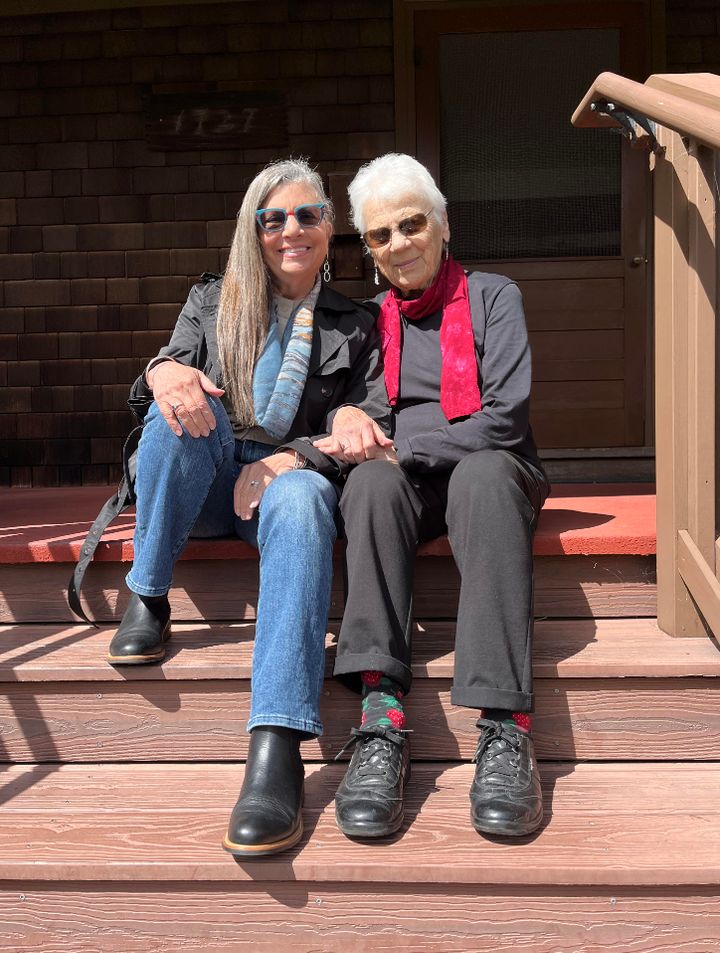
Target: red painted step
x: 50, y: 524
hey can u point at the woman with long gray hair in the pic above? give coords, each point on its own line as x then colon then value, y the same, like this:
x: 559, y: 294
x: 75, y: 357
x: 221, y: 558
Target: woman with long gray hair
x: 260, y: 361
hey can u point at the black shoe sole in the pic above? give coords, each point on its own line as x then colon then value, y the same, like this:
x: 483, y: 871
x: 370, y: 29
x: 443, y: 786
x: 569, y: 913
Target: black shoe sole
x: 505, y: 828
x: 264, y: 850
x: 148, y: 659
x: 370, y: 830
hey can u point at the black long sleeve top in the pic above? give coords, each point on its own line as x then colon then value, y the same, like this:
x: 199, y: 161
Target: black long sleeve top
x: 425, y: 440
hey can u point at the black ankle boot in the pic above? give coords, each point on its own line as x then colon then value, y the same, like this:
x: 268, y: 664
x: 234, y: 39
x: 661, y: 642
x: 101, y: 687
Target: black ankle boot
x: 143, y: 632
x: 369, y: 801
x: 267, y: 817
x: 505, y: 797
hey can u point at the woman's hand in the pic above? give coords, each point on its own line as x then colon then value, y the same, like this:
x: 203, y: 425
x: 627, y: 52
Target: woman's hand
x: 355, y: 437
x: 255, y: 478
x: 179, y: 392
x: 385, y: 453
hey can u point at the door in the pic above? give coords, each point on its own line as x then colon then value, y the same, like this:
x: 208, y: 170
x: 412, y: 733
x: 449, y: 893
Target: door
x: 559, y: 209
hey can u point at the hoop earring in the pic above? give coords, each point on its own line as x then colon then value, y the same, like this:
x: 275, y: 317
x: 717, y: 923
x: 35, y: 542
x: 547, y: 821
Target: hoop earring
x: 326, y: 273
x: 377, y: 277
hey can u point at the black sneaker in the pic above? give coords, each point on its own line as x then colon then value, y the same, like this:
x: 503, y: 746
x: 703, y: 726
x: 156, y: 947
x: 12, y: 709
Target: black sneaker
x: 369, y: 801
x: 505, y: 797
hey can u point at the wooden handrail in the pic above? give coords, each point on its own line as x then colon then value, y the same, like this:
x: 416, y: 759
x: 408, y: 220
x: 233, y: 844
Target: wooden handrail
x: 686, y: 111
x: 662, y: 99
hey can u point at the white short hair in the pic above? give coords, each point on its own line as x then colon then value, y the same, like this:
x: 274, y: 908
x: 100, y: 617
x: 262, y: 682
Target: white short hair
x: 391, y: 177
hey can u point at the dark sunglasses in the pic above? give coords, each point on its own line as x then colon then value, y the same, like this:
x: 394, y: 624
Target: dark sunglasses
x: 377, y: 237
x: 307, y: 216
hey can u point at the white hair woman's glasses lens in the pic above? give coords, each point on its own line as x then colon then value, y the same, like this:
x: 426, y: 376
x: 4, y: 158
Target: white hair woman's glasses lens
x: 377, y: 237
x: 274, y: 219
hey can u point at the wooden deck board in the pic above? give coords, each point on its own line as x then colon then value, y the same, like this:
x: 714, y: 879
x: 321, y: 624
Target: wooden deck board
x: 606, y: 824
x: 594, y: 719
x: 226, y: 590
x: 356, y: 918
x: 577, y: 648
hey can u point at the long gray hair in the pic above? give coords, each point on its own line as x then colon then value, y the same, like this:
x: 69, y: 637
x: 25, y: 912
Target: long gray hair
x: 246, y: 290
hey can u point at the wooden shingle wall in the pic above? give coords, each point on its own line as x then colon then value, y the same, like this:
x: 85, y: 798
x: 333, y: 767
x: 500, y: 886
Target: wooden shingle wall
x: 101, y: 237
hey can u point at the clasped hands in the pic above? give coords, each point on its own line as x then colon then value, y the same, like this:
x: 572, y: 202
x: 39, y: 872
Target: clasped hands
x: 355, y: 438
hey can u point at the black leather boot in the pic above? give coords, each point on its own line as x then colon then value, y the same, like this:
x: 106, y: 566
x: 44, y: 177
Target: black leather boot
x: 143, y: 632
x: 267, y: 817
x: 369, y: 801
x: 505, y: 797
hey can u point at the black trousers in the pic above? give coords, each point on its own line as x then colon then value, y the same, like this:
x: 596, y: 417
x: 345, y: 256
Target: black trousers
x: 488, y: 505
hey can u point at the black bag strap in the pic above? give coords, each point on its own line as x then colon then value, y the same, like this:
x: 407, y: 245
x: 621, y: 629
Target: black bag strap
x: 123, y: 498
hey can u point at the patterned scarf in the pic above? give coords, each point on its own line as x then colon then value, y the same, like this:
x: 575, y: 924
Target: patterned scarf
x: 281, y: 371
x: 459, y: 390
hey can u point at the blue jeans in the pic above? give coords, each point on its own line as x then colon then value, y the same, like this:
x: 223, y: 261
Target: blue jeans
x: 184, y: 487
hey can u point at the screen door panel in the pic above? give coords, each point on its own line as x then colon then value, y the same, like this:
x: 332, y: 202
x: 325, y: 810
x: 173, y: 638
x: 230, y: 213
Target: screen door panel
x: 537, y: 189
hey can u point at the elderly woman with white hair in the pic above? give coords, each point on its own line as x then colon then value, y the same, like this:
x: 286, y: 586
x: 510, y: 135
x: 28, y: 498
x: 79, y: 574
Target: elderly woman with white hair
x: 259, y: 362
x: 457, y: 373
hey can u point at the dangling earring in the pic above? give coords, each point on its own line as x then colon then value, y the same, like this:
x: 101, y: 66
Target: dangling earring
x: 446, y: 250
x: 377, y: 278
x: 327, y: 274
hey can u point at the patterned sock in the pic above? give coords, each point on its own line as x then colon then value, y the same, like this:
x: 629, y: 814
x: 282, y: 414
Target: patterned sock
x: 520, y: 719
x: 381, y: 704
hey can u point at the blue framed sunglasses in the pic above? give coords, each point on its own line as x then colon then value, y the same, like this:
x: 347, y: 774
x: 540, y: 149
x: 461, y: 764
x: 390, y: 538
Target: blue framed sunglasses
x: 274, y: 219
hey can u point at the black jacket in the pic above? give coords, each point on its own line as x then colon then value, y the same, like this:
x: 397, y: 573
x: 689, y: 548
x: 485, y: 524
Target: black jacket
x: 345, y: 365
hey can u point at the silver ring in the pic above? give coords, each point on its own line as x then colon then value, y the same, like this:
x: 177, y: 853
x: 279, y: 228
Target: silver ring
x: 254, y: 483
x: 175, y: 407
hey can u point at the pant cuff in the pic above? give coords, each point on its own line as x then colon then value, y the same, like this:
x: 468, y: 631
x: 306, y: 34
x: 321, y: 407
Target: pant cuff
x: 311, y: 729
x: 492, y: 698
x: 348, y: 668
x: 144, y: 590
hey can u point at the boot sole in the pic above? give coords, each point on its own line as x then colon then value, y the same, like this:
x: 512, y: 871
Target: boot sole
x: 264, y: 850
x: 142, y: 659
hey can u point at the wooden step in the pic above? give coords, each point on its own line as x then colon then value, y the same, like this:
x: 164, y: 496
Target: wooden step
x: 226, y: 590
x: 327, y: 917
x: 607, y: 824
x: 42, y: 524
x: 104, y: 855
x: 594, y: 556
x: 605, y: 689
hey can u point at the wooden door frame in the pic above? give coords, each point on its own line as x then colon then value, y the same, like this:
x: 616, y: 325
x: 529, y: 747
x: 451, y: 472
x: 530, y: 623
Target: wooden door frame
x: 407, y: 139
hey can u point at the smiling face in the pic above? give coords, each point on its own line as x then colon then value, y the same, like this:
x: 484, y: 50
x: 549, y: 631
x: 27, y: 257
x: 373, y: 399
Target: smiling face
x: 293, y: 255
x: 408, y: 262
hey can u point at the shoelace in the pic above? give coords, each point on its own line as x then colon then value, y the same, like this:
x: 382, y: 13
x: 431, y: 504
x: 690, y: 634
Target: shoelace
x: 376, y: 748
x: 498, y: 749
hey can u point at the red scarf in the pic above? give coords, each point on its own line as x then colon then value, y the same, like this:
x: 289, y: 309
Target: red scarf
x: 459, y: 390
